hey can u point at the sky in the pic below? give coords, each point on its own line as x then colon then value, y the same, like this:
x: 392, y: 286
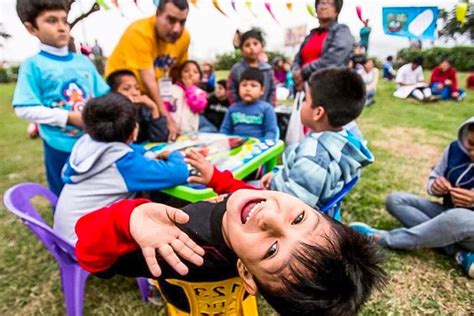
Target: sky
x: 211, y: 31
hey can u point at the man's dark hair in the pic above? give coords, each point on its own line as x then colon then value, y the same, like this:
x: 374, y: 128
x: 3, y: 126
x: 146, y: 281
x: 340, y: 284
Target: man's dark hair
x: 390, y: 58
x: 114, y: 79
x: 109, y: 118
x: 338, y: 3
x: 252, y: 73
x: 341, y: 92
x: 180, y: 4
x: 253, y: 33
x: 223, y: 83
x: 29, y: 10
x: 336, y: 279
x: 418, y: 60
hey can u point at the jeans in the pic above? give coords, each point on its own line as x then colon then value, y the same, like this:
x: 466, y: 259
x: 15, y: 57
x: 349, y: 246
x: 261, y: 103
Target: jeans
x: 444, y: 92
x: 428, y: 224
x: 206, y: 126
x: 54, y: 161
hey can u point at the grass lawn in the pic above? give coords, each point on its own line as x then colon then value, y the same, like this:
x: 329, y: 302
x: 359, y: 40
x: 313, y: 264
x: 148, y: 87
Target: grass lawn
x: 406, y: 137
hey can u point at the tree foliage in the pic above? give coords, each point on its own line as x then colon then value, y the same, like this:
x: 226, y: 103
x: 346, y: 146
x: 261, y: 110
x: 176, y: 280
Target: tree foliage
x: 453, y: 28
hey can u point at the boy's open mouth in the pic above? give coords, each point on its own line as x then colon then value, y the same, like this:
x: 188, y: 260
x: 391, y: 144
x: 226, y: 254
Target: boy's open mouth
x: 249, y: 208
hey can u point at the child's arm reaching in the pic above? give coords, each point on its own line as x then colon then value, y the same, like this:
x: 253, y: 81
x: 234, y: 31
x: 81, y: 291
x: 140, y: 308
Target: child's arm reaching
x: 220, y: 181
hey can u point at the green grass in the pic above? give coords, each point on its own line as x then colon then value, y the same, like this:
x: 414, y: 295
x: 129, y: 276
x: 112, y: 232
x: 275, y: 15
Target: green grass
x: 406, y: 137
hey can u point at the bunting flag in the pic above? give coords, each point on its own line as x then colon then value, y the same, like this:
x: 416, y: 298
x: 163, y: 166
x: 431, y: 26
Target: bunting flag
x: 268, y: 6
x: 194, y: 2
x: 359, y: 13
x: 310, y: 9
x: 248, y: 4
x: 289, y: 5
x: 461, y: 12
x: 115, y: 3
x: 233, y: 5
x: 216, y: 5
x: 103, y: 4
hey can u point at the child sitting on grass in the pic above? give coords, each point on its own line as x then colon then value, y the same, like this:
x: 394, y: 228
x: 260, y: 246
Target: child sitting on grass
x: 299, y: 260
x: 326, y: 160
x: 188, y: 101
x: 104, y: 166
x: 153, y: 127
x: 251, y: 116
x: 449, y: 225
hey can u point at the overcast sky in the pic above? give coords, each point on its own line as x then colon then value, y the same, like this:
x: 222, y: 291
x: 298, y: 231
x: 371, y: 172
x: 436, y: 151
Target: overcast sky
x: 211, y: 32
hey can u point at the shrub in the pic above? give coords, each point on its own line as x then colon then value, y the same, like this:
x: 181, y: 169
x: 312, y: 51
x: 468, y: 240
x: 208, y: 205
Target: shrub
x: 227, y: 60
x: 461, y: 57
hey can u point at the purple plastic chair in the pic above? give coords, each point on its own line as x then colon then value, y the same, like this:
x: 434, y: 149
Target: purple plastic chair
x: 17, y: 200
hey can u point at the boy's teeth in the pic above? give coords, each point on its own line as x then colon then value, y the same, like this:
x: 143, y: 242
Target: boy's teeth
x: 251, y: 211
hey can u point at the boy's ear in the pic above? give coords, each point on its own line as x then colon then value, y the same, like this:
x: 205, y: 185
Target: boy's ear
x: 262, y: 91
x: 30, y: 28
x: 249, y: 283
x: 318, y: 113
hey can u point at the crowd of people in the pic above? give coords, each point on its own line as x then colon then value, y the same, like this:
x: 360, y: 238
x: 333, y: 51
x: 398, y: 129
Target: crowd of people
x: 271, y: 234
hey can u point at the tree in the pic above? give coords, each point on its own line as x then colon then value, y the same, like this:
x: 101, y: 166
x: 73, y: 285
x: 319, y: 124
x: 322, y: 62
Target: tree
x: 453, y: 29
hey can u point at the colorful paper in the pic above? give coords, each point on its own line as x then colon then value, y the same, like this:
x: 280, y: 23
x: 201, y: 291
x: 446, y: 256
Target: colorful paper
x: 103, y: 4
x: 216, y: 5
x: 461, y: 12
x: 310, y: 9
x: 289, y: 5
x: 268, y: 6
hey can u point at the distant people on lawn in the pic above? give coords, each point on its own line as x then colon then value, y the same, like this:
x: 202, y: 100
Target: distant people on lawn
x: 470, y: 81
x: 448, y: 225
x: 370, y: 75
x: 364, y: 34
x: 389, y: 72
x: 411, y: 82
x: 444, y: 82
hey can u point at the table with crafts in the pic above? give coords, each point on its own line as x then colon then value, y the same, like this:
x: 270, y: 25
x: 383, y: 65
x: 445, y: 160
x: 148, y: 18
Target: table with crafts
x: 240, y: 155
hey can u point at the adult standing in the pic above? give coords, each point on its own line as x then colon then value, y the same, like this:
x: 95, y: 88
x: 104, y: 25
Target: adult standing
x: 364, y: 34
x: 151, y: 48
x: 328, y: 45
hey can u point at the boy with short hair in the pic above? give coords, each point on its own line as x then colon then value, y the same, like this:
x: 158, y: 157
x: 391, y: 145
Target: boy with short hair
x: 152, y: 125
x: 54, y: 85
x: 326, y: 160
x: 301, y: 261
x: 105, y: 167
x: 217, y: 104
x: 428, y: 224
x: 251, y: 116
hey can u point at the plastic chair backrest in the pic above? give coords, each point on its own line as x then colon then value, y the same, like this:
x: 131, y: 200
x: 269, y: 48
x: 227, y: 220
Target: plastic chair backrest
x: 17, y: 200
x: 215, y: 298
x: 332, y: 206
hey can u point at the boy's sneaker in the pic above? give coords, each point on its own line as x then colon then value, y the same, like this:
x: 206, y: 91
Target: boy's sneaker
x: 466, y: 260
x: 364, y: 229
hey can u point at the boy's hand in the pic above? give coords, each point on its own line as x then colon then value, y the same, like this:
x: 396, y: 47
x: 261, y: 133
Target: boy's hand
x: 164, y: 155
x: 462, y: 197
x: 203, y: 166
x: 75, y: 118
x: 266, y: 180
x: 153, y: 227
x: 440, y: 186
x: 172, y: 128
x: 144, y: 99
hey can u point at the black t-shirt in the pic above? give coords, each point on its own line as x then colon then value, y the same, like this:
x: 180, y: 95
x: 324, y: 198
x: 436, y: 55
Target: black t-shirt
x: 216, y: 110
x: 205, y: 228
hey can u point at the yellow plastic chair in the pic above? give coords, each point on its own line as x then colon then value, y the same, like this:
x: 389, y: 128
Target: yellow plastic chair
x: 214, y: 298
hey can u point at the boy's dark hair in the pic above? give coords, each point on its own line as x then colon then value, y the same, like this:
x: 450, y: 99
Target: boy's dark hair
x: 338, y: 3
x: 252, y: 73
x: 418, y: 60
x: 341, y: 92
x: 180, y: 4
x: 29, y: 10
x: 390, y: 58
x: 223, y: 83
x: 109, y: 118
x: 253, y: 33
x: 114, y: 79
x: 336, y: 279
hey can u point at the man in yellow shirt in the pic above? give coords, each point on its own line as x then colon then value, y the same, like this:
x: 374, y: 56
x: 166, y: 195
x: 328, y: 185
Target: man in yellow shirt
x: 150, y: 47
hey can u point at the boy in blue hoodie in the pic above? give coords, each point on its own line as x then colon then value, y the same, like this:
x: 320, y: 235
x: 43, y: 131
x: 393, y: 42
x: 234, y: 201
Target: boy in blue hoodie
x: 54, y: 85
x: 105, y: 167
x: 428, y: 224
x: 316, y: 169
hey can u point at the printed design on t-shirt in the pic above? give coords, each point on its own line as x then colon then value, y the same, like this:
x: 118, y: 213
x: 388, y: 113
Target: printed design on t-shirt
x: 75, y: 96
x: 164, y: 62
x: 217, y: 107
x: 242, y: 118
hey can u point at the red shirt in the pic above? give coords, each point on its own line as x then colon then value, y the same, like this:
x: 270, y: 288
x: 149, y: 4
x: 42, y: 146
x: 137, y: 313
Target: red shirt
x: 313, y: 48
x: 439, y: 76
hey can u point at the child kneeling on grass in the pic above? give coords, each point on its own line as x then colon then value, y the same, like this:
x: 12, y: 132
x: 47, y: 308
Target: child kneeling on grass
x: 449, y: 225
x: 301, y: 261
x: 327, y: 159
x: 105, y: 167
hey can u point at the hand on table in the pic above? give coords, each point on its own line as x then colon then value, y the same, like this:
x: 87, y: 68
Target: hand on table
x: 440, y: 186
x: 462, y: 197
x: 152, y: 226
x: 172, y: 128
x: 266, y: 180
x: 203, y: 166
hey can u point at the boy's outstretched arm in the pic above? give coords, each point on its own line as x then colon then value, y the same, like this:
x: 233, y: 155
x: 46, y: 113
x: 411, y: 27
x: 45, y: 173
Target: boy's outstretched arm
x: 220, y: 181
x: 111, y: 232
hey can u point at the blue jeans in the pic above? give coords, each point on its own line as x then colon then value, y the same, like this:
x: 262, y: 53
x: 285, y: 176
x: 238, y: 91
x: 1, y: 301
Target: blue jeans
x: 444, y: 92
x: 205, y: 125
x: 54, y: 161
x: 428, y: 224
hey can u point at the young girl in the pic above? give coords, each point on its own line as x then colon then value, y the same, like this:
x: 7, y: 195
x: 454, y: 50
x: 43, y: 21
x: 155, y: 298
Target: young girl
x: 251, y: 45
x: 187, y: 99
x: 370, y: 75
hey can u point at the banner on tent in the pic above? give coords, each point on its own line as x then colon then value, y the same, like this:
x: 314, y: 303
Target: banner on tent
x: 295, y: 35
x: 411, y: 22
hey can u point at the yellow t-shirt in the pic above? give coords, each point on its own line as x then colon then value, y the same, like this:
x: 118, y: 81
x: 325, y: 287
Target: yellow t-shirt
x: 139, y: 49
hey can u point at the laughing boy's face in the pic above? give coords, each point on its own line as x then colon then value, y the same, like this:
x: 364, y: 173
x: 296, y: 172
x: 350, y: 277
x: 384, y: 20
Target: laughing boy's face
x: 264, y: 228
